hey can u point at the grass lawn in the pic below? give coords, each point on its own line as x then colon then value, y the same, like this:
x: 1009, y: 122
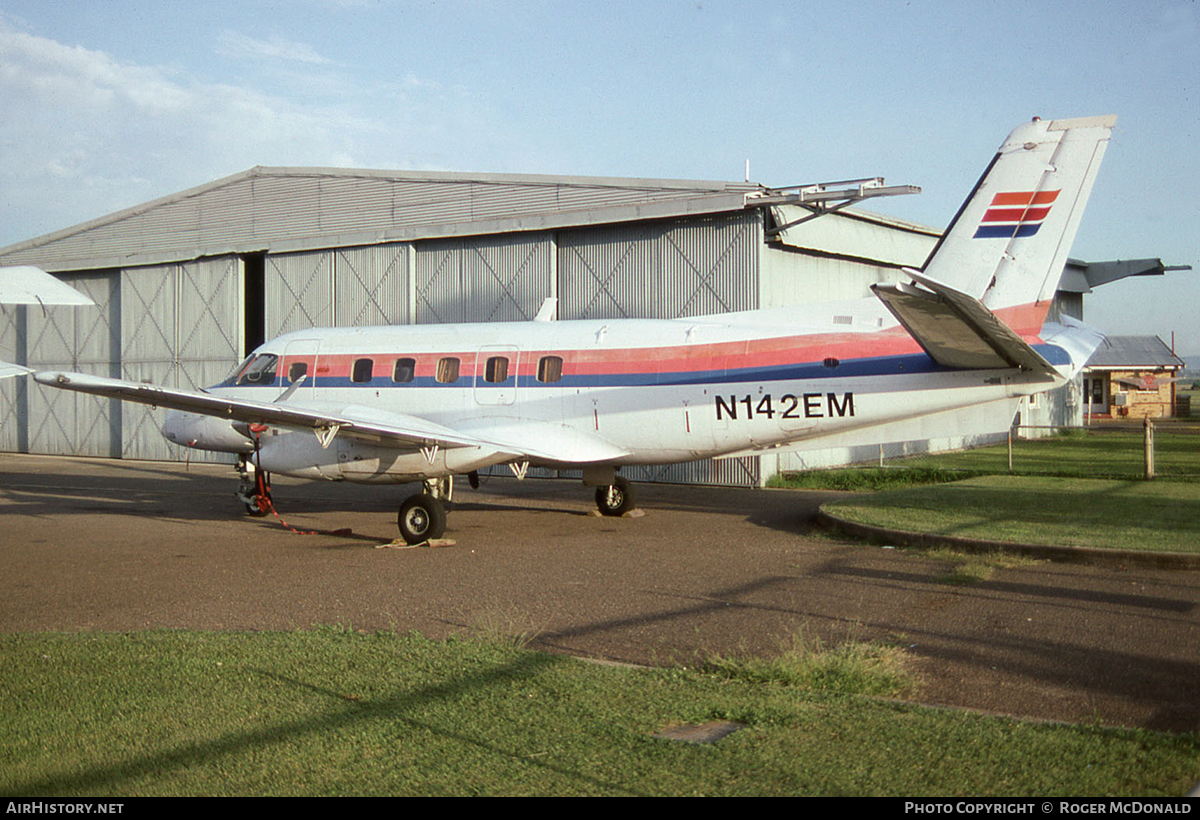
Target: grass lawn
x: 1102, y: 453
x: 1134, y: 515
x: 333, y: 712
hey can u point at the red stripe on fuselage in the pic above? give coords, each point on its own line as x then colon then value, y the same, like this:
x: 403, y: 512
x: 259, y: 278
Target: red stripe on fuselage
x: 1026, y: 320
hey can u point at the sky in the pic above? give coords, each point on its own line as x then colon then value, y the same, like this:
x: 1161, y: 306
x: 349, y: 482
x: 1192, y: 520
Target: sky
x: 130, y: 101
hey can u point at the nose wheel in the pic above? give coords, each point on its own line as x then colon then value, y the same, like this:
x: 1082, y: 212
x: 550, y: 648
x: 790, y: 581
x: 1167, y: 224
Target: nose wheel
x: 254, y: 488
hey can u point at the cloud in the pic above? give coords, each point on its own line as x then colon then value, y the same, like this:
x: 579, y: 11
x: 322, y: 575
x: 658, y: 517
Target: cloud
x: 235, y: 44
x: 84, y: 133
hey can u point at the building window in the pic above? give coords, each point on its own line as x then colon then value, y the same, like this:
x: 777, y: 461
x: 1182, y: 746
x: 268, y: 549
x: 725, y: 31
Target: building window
x: 404, y: 371
x: 549, y: 369
x: 447, y: 370
x: 496, y: 370
x: 362, y: 370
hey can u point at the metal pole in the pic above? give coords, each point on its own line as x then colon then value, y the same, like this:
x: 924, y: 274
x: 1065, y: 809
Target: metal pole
x: 1010, y: 450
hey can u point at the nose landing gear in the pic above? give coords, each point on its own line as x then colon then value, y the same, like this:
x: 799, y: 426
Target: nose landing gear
x: 254, y: 487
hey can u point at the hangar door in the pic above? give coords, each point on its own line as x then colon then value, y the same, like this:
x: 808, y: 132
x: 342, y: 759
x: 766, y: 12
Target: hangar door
x: 83, y: 339
x: 12, y: 349
x: 660, y: 271
x: 181, y: 326
x: 501, y: 278
x: 346, y: 287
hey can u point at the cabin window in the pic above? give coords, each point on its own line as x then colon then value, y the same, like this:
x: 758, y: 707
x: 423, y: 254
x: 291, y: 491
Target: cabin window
x: 549, y: 369
x: 362, y: 370
x: 297, y: 371
x: 260, y: 371
x: 496, y: 370
x: 405, y: 370
x: 447, y: 370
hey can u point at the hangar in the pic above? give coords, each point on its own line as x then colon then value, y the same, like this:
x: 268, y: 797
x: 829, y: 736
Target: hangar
x: 186, y: 285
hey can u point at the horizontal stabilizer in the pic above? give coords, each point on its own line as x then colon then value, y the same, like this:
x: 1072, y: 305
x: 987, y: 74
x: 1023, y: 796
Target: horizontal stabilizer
x: 956, y: 330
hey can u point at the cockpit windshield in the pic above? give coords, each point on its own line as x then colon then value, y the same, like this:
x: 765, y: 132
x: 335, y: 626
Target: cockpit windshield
x: 261, y: 370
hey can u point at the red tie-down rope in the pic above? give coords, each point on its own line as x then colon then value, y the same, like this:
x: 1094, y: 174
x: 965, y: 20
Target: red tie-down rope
x: 262, y: 492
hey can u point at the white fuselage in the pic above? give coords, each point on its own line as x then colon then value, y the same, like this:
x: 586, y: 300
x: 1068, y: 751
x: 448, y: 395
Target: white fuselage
x: 593, y: 392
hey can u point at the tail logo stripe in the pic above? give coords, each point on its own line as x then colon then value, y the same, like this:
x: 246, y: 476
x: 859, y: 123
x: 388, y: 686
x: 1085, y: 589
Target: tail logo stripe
x: 1016, y: 213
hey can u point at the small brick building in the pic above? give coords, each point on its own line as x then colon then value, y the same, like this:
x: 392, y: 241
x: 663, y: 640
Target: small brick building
x: 1131, y: 377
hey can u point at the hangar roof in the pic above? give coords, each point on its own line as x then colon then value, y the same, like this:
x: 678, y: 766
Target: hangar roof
x: 283, y: 209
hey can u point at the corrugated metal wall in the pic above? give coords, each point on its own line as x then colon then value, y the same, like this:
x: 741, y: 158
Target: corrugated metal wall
x: 662, y: 270
x: 298, y: 291
x: 12, y: 349
x: 483, y: 279
x: 336, y: 288
x: 85, y: 340
x: 181, y: 326
x: 371, y: 286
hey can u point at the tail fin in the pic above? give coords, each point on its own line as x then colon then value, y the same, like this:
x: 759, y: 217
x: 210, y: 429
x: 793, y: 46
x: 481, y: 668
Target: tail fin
x: 1008, y: 243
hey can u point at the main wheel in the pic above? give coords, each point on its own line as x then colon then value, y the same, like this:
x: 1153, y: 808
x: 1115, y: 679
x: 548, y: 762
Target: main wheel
x: 616, y: 498
x: 422, y: 517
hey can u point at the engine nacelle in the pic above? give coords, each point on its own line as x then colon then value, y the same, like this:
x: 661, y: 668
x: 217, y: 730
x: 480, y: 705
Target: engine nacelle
x: 299, y: 453
x: 205, y: 433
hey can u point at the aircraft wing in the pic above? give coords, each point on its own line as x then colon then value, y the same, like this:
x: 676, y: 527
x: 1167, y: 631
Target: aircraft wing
x: 394, y: 428
x: 27, y: 285
x: 957, y: 330
x: 513, y: 439
x: 8, y: 369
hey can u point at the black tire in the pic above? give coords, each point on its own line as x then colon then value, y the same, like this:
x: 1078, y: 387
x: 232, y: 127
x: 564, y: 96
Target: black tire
x: 254, y: 508
x: 615, y: 499
x: 422, y: 518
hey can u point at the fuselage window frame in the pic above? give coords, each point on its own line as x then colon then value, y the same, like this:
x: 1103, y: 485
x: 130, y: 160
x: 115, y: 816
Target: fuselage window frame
x: 496, y: 370
x: 447, y: 370
x: 549, y: 369
x: 404, y: 370
x: 362, y: 371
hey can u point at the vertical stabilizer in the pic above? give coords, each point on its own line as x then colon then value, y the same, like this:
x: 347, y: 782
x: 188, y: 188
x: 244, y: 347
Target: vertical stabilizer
x: 1009, y: 242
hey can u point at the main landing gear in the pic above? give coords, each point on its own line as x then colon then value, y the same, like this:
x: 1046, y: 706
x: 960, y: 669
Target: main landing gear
x: 422, y: 517
x: 616, y: 499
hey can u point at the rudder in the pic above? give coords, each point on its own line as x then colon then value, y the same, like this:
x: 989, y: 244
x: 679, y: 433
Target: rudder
x: 1008, y: 244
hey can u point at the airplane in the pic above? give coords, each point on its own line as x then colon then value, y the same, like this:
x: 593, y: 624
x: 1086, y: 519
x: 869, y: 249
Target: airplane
x: 966, y: 338
x: 27, y: 285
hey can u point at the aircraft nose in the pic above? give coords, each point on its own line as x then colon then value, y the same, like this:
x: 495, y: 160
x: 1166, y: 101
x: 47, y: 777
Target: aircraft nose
x: 204, y: 433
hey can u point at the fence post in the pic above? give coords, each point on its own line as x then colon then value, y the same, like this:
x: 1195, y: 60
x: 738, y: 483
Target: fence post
x: 1149, y: 447
x: 1010, y: 450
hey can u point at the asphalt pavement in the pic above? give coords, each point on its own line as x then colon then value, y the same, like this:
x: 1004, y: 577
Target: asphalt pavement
x: 112, y: 545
